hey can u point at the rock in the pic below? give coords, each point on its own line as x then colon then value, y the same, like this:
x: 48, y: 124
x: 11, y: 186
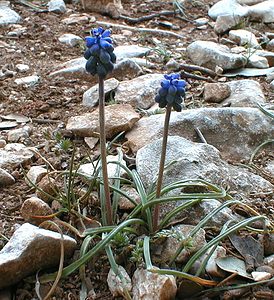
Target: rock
x: 210, y: 55
x: 196, y: 161
x: 259, y: 276
x: 35, y: 207
x: 119, y: 117
x: 124, y: 203
x: 153, y: 286
x: 47, y: 189
x: 244, y: 38
x: 269, y: 260
x: 270, y: 45
x: 172, y: 64
x: 57, y: 6
x: 87, y: 170
x: 244, y: 93
x: 171, y: 244
x: 270, y: 167
x: 201, y: 21
x: 129, y: 51
x: 70, y: 39
x: 268, y: 55
x: 126, y: 68
x: 29, y: 80
x: 249, y: 72
x: 31, y: 244
x: 22, y: 68
x: 116, y: 285
x: 5, y: 178
x: 272, y: 85
x: 91, y: 96
x: 3, y: 143
x: 19, y: 134
x: 216, y: 92
x: 7, y: 15
x: 14, y: 154
x: 236, y: 132
x: 91, y: 141
x: 35, y: 174
x: 139, y: 92
x: 226, y: 22
x: 227, y: 7
x: 211, y: 267
x: 263, y: 12
x: 78, y: 19
x: 270, y: 77
x: 256, y: 61
x: 143, y: 62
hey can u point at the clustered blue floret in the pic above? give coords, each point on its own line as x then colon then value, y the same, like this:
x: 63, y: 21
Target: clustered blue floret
x: 100, y: 56
x: 172, y: 92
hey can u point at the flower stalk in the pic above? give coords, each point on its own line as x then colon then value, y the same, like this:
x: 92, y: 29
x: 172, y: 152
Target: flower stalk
x: 103, y: 150
x: 161, y: 167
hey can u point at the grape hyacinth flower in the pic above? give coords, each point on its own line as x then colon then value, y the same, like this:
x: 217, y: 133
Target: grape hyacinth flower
x: 172, y: 92
x: 170, y: 95
x: 100, y: 61
x: 100, y: 56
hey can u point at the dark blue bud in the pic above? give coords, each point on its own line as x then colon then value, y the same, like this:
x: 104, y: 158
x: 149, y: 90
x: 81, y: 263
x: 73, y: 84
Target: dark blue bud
x: 104, y: 56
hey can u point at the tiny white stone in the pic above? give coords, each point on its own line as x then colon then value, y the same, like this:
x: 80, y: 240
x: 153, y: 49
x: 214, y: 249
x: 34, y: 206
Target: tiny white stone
x: 22, y: 68
x: 259, y: 276
x: 29, y: 80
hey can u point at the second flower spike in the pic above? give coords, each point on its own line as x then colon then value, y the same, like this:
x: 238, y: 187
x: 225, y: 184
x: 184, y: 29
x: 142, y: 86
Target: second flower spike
x: 172, y: 92
x: 100, y: 56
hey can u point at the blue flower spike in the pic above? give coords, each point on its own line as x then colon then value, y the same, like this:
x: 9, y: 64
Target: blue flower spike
x: 99, y: 54
x: 172, y: 92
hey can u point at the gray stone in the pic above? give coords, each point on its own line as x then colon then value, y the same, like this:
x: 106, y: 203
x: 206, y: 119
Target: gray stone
x: 5, y: 178
x: 70, y: 39
x: 210, y: 55
x: 153, y: 286
x: 269, y: 55
x: 124, y: 203
x: 236, y: 132
x: 270, y: 45
x: 244, y: 38
x: 35, y: 174
x: 29, y: 80
x: 263, y: 12
x: 35, y: 207
x: 256, y: 61
x: 22, y: 68
x: 227, y: 7
x: 270, y: 77
x: 211, y: 267
x: 139, y: 92
x: 244, y: 93
x: 8, y: 16
x: 91, y: 96
x: 119, y: 117
x: 78, y: 19
x: 129, y: 51
x: 169, y: 246
x: 216, y: 92
x: 16, y: 135
x: 126, y: 68
x: 249, y: 72
x: 57, y: 6
x: 116, y: 286
x: 226, y: 22
x: 14, y: 154
x: 272, y: 85
x: 31, y: 249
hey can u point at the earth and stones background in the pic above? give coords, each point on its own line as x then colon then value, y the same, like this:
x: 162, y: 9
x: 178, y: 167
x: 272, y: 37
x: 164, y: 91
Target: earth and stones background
x: 46, y: 97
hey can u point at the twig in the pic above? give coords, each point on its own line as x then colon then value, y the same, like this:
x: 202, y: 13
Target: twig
x: 148, y: 17
x: 207, y: 71
x: 45, y: 121
x: 201, y: 136
x: 148, y: 30
x: 33, y: 6
x: 194, y: 76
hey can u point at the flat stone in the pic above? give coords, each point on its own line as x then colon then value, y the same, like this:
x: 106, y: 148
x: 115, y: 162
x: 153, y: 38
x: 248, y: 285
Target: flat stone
x: 244, y: 93
x: 33, y: 207
x: 47, y: 188
x: 272, y: 85
x: 236, y: 132
x: 244, y: 38
x: 119, y: 117
x: 35, y: 174
x: 5, y: 178
x: 211, y: 267
x: 270, y: 45
x: 124, y: 203
x: 126, y: 68
x: 227, y: 7
x: 263, y: 12
x: 116, y: 285
x: 269, y: 55
x: 22, y: 68
x: 211, y: 55
x: 77, y: 19
x: 19, y: 134
x: 139, y: 92
x: 14, y: 154
x: 91, y: 96
x: 8, y: 16
x: 216, y: 92
x: 152, y: 286
x: 57, y: 6
x: 24, y: 246
x: 226, y: 22
x: 249, y: 72
x: 70, y: 39
x: 260, y: 276
x: 29, y: 80
x: 129, y: 51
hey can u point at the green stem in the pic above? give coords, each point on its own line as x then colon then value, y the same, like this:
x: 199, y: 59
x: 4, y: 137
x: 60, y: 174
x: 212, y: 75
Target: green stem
x: 107, y: 202
x: 161, y: 168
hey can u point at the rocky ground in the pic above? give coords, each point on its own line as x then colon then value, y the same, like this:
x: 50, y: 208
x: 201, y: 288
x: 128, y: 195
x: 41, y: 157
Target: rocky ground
x: 48, y: 103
